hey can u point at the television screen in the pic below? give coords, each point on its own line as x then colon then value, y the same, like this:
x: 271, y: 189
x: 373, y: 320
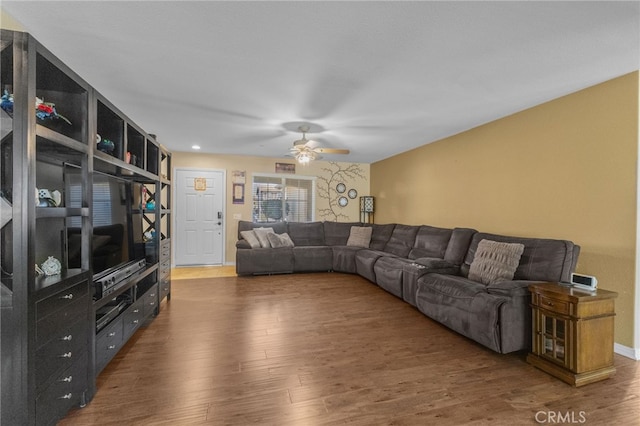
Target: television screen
x: 117, y: 221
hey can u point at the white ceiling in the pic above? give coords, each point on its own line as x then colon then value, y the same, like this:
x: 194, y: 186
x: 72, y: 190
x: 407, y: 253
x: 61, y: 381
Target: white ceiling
x: 378, y: 78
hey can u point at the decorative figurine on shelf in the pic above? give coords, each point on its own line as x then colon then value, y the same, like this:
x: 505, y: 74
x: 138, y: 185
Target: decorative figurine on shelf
x: 150, y: 235
x: 49, y: 267
x: 6, y: 103
x: 105, y: 145
x: 46, y: 198
x: 47, y: 111
x: 151, y: 205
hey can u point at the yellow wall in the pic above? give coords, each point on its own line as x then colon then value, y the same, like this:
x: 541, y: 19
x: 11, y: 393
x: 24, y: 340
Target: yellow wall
x: 7, y: 22
x: 250, y: 165
x: 565, y: 169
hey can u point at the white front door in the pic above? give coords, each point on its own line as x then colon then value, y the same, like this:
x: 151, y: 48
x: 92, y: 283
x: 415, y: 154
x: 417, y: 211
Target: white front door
x: 199, y: 217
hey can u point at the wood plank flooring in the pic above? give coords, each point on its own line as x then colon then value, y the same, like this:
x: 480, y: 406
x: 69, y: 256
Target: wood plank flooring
x: 329, y: 349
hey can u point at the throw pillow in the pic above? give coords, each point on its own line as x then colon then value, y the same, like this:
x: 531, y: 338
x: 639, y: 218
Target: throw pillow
x: 360, y: 236
x: 261, y: 234
x: 251, y: 238
x: 280, y: 240
x: 495, y: 261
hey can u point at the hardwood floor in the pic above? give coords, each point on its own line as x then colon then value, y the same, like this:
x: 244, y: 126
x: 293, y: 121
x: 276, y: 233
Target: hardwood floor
x: 329, y: 349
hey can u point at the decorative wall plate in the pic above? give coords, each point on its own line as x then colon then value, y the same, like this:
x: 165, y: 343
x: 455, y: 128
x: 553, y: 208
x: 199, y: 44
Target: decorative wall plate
x: 353, y: 193
x: 342, y: 201
x: 341, y: 187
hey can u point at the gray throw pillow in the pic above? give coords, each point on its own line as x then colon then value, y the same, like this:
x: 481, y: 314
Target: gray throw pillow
x: 251, y: 238
x: 495, y: 261
x: 360, y: 236
x: 261, y: 234
x: 280, y: 240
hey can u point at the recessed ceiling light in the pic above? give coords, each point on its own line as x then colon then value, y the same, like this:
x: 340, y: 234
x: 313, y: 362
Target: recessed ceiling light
x: 196, y: 147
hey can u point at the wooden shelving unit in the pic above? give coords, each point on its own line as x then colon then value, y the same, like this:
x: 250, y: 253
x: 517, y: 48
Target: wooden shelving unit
x: 51, y: 350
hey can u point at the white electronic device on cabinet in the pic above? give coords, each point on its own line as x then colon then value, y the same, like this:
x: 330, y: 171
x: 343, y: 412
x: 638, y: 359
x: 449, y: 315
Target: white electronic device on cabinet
x: 586, y: 282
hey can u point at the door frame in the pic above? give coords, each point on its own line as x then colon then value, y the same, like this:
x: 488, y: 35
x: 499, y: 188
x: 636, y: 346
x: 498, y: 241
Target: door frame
x: 174, y: 217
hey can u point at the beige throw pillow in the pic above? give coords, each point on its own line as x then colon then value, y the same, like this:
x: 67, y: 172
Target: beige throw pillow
x: 495, y: 261
x: 261, y: 234
x: 251, y: 238
x: 280, y: 240
x: 360, y: 236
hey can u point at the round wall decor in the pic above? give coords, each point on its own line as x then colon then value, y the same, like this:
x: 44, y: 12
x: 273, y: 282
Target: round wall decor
x: 341, y: 187
x: 352, y: 193
x: 342, y: 201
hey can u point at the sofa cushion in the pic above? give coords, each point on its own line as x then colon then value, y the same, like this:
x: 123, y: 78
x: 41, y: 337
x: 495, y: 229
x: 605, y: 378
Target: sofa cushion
x: 264, y: 261
x: 251, y: 238
x: 360, y: 236
x: 337, y: 233
x: 279, y: 240
x: 307, y: 233
x: 312, y: 258
x: 366, y: 260
x: 245, y: 225
x: 261, y: 234
x: 542, y: 259
x: 495, y: 261
x: 380, y: 235
x: 459, y: 245
x: 402, y: 240
x: 344, y: 258
x: 430, y: 242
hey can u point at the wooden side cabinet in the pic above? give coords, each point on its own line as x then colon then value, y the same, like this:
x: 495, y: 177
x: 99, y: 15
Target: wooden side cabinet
x: 572, y: 332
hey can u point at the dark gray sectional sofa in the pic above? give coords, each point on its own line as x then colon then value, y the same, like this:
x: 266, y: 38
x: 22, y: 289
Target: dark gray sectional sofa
x: 428, y: 267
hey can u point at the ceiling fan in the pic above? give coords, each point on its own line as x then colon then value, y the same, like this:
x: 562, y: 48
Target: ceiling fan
x: 304, y: 151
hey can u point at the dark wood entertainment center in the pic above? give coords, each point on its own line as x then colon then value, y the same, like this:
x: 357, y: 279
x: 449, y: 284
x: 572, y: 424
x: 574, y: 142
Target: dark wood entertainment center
x: 59, y: 331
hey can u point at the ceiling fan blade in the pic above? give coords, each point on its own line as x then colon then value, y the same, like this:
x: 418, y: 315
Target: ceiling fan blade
x: 331, y: 151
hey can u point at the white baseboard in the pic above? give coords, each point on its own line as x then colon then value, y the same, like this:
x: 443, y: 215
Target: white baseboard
x: 229, y: 263
x: 633, y: 353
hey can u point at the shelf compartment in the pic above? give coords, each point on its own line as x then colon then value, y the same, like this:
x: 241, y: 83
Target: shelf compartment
x: 135, y: 147
x: 70, y: 99
x: 153, y: 162
x: 111, y: 126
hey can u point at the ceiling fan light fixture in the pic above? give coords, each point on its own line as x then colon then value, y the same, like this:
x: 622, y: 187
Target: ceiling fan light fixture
x: 303, y: 158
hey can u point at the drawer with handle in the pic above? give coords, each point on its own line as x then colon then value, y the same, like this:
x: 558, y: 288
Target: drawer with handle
x: 61, y: 351
x: 64, y: 392
x: 58, y: 301
x: 554, y: 305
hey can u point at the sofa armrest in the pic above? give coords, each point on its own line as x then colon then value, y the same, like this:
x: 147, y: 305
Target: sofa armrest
x: 243, y: 244
x: 511, y: 288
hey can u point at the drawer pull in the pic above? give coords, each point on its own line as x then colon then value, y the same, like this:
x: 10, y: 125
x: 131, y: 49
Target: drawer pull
x: 67, y: 379
x: 65, y: 355
x: 66, y: 396
x: 152, y: 295
x: 111, y: 347
x: 66, y: 338
x: 67, y: 296
x: 135, y: 321
x: 135, y: 311
x: 166, y: 289
x: 113, y: 333
x: 152, y: 303
x: 550, y: 304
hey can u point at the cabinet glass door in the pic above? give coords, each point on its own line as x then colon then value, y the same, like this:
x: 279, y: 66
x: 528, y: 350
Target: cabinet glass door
x: 554, y: 335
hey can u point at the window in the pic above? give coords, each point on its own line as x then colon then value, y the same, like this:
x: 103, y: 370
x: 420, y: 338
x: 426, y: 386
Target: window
x: 283, y: 199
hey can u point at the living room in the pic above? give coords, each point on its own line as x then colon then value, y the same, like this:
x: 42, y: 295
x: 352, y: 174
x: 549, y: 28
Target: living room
x: 564, y: 168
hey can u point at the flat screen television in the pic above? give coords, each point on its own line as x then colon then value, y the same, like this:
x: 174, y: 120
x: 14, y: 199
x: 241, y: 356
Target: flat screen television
x: 117, y: 221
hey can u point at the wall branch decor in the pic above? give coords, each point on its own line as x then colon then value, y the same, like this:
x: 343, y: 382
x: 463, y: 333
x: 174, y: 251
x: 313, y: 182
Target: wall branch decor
x: 328, y: 180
